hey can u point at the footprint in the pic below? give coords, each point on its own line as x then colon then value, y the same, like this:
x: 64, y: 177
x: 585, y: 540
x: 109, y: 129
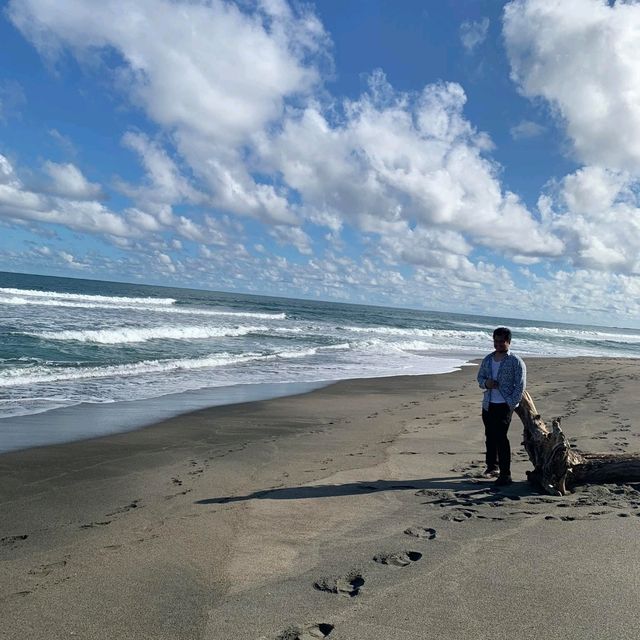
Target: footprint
x: 90, y: 525
x: 461, y: 515
x: 11, y: 540
x: 46, y: 569
x: 348, y: 585
x: 132, y: 505
x: 321, y: 630
x: 421, y: 532
x: 175, y: 495
x: 399, y: 559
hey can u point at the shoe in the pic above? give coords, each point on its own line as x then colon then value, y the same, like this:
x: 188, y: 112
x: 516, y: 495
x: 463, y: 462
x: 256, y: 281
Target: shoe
x: 491, y: 472
x: 503, y: 481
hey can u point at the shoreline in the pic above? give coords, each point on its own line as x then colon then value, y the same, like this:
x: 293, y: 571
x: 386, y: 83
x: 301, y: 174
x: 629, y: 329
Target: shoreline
x: 217, y: 524
x: 68, y: 424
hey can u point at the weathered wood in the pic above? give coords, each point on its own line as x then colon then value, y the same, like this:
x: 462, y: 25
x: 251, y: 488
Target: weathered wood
x: 556, y: 466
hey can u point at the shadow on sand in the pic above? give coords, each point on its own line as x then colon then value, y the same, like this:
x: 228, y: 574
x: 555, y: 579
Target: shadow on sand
x: 451, y: 483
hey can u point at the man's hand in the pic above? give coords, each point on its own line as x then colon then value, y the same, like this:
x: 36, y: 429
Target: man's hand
x: 491, y: 384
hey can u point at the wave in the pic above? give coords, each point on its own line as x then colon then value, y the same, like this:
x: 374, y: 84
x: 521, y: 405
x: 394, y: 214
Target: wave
x: 127, y: 335
x: 55, y: 295
x: 35, y: 375
x: 43, y: 373
x: 17, y: 300
x: 582, y: 334
x: 441, y: 334
x: 563, y: 332
x: 299, y: 353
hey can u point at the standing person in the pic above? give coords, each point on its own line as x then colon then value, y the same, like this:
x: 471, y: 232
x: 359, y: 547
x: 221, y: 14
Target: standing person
x: 503, y: 376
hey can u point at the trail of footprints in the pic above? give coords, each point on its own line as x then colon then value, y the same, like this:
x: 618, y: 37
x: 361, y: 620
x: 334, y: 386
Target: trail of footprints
x: 483, y: 503
x: 350, y: 584
x: 585, y: 503
x: 51, y: 572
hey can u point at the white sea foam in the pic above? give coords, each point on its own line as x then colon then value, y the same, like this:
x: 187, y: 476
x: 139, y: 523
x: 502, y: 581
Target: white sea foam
x: 298, y: 353
x: 582, y: 334
x: 335, y: 347
x: 43, y: 373
x: 126, y: 335
x: 38, y: 374
x: 56, y: 295
x: 192, y: 311
x: 594, y: 334
x: 441, y: 334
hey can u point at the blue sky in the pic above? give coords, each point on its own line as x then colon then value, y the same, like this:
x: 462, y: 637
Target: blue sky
x: 472, y: 156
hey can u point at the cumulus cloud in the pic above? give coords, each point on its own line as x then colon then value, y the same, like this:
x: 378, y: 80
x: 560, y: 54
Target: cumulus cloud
x: 526, y: 129
x: 597, y: 213
x: 69, y: 182
x: 245, y: 127
x: 294, y: 236
x: 17, y: 202
x: 574, y: 294
x: 164, y: 183
x: 397, y: 161
x: 582, y: 57
x: 70, y: 260
x: 213, y: 88
x: 385, y: 163
x: 473, y: 33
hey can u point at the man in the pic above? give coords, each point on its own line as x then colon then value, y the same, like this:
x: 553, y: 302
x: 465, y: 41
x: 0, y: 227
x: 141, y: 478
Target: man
x: 503, y: 376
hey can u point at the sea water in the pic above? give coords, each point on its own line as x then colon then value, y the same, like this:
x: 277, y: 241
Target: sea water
x: 69, y: 348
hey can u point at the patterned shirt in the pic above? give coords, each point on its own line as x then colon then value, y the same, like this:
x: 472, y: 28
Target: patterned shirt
x: 512, y: 379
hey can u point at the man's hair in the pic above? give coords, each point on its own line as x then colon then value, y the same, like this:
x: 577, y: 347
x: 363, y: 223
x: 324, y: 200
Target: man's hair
x: 502, y: 332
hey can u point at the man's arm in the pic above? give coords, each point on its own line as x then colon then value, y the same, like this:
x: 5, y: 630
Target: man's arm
x: 483, y: 375
x: 519, y: 384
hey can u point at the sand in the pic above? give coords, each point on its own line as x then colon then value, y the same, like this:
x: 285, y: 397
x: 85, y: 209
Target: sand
x: 352, y: 512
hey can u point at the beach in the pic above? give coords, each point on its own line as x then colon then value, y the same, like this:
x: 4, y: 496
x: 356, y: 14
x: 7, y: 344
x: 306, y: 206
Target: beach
x: 353, y: 511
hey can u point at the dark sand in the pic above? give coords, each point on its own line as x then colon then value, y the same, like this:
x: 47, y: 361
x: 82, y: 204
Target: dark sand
x: 352, y: 512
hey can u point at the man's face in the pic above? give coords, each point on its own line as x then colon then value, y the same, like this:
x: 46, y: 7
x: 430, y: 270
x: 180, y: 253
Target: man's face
x: 501, y: 344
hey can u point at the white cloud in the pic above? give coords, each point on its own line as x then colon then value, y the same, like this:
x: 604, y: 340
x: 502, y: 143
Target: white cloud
x: 397, y: 160
x: 211, y: 74
x: 598, y: 295
x: 17, y: 202
x: 294, y: 236
x: 597, y: 213
x: 70, y: 261
x: 69, y: 182
x: 165, y: 263
x: 582, y: 57
x: 473, y: 33
x: 165, y: 183
x: 384, y: 163
x: 526, y: 129
x: 245, y: 127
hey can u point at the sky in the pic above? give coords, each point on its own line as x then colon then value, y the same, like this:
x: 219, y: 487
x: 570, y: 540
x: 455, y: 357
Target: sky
x: 473, y: 156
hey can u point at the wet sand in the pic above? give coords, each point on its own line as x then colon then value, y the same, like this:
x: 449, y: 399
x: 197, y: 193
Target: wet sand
x: 355, y: 511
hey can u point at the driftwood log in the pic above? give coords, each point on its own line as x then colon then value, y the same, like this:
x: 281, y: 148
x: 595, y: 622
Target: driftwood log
x: 557, y: 467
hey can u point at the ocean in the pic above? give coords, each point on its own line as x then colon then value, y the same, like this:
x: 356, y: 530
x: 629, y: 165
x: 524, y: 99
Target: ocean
x: 71, y: 348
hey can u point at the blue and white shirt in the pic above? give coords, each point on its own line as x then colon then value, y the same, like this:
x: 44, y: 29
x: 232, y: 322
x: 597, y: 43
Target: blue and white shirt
x: 512, y: 379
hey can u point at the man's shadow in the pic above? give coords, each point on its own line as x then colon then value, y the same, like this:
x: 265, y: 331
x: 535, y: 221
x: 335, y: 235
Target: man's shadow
x: 451, y: 483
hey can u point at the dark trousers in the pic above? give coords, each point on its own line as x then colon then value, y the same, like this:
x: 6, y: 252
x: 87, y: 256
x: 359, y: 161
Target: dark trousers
x: 496, y: 424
